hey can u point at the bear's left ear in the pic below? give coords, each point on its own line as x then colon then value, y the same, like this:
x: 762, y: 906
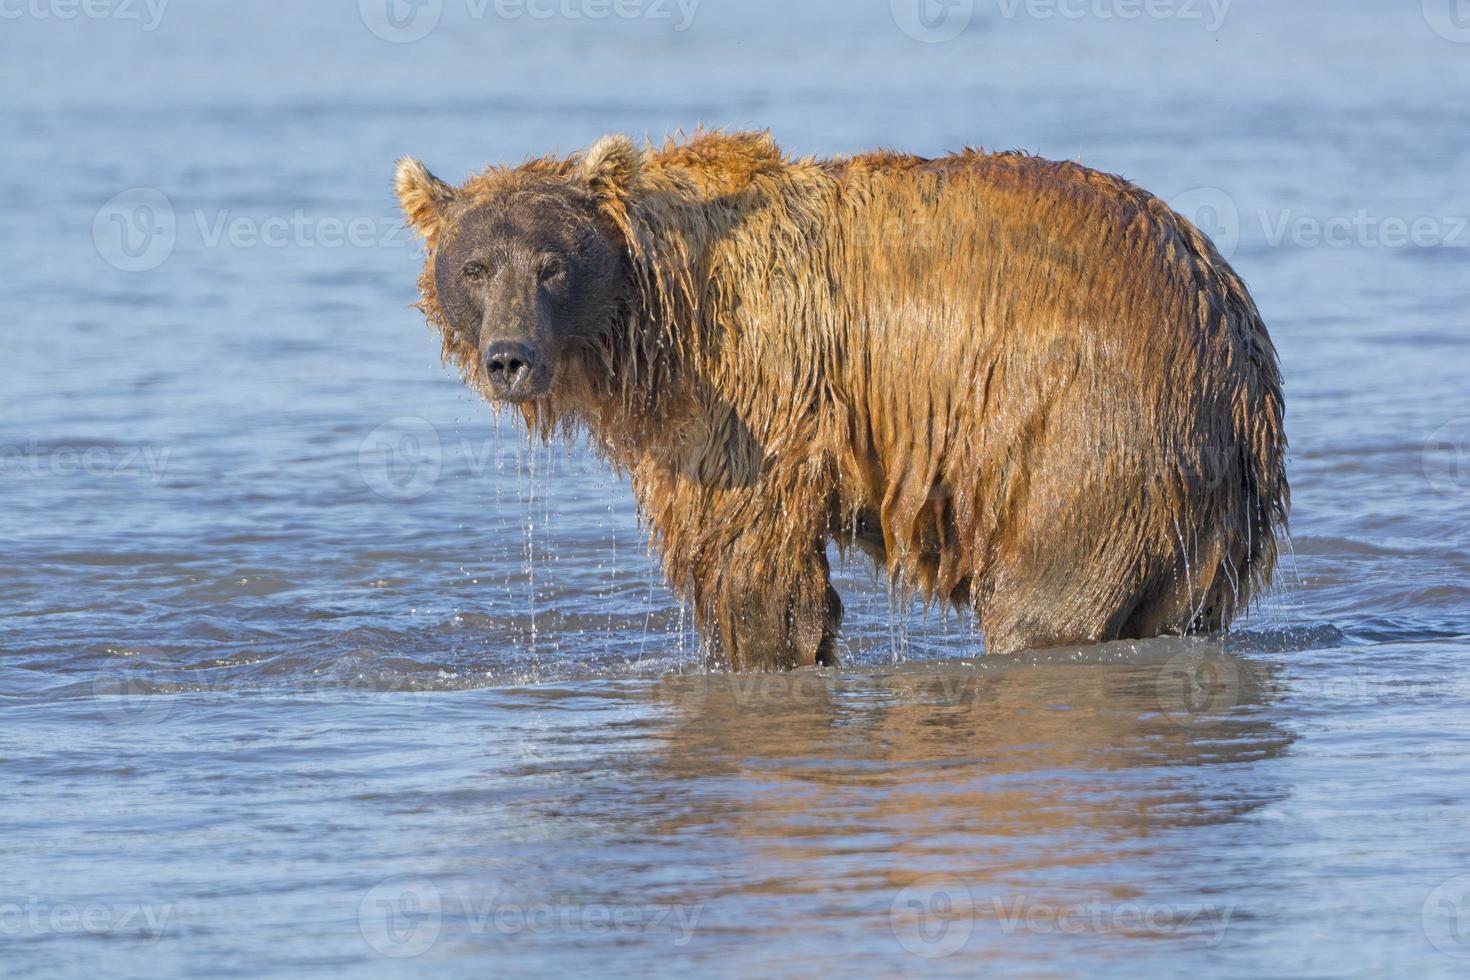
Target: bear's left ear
x: 423, y: 198
x: 611, y: 166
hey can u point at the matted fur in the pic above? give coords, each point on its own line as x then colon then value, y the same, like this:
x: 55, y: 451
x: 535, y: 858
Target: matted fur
x: 1023, y: 386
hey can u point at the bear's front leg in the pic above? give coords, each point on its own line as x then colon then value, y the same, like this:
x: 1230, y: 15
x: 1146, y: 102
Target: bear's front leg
x: 760, y: 607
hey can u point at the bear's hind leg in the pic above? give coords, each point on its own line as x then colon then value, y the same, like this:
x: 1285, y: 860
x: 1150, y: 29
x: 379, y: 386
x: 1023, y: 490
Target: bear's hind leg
x: 1097, y: 603
x: 1053, y: 607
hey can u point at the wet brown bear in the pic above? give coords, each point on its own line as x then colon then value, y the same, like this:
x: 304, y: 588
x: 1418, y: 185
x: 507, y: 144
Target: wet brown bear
x: 1022, y: 386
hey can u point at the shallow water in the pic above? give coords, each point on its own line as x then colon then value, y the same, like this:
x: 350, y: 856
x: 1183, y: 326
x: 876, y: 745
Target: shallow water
x: 309, y: 667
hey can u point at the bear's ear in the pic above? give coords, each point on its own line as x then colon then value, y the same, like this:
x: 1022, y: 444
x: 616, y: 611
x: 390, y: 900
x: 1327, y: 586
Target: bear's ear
x: 423, y: 198
x: 611, y: 166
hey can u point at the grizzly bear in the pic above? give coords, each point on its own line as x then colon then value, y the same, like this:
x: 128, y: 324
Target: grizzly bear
x: 1024, y: 387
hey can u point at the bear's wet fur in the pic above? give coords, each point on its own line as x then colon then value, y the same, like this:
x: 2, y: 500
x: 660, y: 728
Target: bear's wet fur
x: 1022, y: 386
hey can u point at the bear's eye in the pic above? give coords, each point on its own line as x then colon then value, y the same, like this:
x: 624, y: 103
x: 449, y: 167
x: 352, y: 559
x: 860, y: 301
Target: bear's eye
x: 551, y: 267
x: 473, y: 272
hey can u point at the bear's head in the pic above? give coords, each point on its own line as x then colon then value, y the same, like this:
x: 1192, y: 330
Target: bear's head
x: 526, y: 267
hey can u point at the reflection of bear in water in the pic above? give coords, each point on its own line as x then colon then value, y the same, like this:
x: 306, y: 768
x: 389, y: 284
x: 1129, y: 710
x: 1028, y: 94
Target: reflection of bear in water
x: 1022, y: 386
x: 1013, y: 776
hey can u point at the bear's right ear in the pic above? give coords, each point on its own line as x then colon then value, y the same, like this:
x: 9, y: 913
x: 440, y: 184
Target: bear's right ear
x: 423, y: 198
x: 611, y: 166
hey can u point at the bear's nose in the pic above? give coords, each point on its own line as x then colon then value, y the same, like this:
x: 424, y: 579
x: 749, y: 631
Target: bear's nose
x: 508, y: 364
